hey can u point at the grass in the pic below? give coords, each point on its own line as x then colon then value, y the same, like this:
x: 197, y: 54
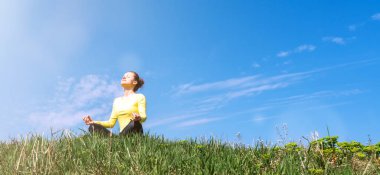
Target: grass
x: 148, y: 154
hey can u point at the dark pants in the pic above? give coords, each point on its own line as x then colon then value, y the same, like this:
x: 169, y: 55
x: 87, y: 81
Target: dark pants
x: 132, y: 128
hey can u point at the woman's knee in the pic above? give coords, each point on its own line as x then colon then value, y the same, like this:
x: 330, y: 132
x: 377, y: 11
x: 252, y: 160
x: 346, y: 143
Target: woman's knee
x: 132, y: 127
x: 97, y: 128
x: 93, y: 127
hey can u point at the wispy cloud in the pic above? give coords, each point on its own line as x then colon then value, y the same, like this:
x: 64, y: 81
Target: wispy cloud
x: 352, y: 27
x: 299, y: 49
x: 296, y: 99
x: 277, y: 82
x: 164, y: 121
x: 256, y: 65
x: 325, y: 106
x: 376, y: 16
x: 244, y: 88
x: 222, y: 92
x: 283, y: 53
x: 284, y: 103
x: 306, y: 47
x: 260, y: 118
x: 198, y: 122
x: 336, y: 40
x: 225, y: 84
x: 249, y: 91
x: 242, y: 84
x: 75, y: 99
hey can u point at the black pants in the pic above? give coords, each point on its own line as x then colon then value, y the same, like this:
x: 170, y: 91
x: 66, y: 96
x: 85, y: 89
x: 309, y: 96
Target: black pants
x: 133, y: 127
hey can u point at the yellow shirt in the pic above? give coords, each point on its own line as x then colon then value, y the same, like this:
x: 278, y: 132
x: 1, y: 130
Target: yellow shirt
x: 122, y: 110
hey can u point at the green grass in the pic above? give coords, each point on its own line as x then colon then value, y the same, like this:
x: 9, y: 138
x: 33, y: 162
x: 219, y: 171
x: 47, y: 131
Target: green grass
x: 149, y: 154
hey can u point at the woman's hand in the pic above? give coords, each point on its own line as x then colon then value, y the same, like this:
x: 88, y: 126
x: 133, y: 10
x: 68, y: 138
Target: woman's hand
x: 88, y: 120
x: 136, y: 117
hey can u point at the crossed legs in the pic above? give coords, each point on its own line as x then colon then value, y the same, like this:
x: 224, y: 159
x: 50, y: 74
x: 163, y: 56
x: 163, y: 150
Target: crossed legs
x: 133, y: 127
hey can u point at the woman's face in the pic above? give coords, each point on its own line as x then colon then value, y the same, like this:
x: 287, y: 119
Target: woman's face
x: 128, y: 80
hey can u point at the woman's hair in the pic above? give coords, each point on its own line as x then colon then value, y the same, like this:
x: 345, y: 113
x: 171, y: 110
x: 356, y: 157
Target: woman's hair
x: 140, y: 81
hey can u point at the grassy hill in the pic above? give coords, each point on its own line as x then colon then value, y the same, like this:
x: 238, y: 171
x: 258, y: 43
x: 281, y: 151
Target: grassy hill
x: 155, y: 155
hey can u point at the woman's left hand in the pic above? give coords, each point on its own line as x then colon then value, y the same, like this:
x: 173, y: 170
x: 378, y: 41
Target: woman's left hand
x: 88, y: 120
x: 136, y: 117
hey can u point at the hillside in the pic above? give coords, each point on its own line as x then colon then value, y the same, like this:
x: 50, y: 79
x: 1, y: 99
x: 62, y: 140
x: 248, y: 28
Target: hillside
x: 155, y: 155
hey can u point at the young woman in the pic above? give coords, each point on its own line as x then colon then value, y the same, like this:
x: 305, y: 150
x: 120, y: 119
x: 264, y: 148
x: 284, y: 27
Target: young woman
x: 129, y: 110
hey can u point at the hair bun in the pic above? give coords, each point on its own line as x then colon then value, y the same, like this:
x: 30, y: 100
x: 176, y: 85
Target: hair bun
x: 140, y: 81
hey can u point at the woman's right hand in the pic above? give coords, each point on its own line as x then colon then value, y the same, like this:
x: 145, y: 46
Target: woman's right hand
x: 88, y: 120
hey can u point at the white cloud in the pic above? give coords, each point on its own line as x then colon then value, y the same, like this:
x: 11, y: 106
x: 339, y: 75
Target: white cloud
x: 90, y: 95
x: 326, y: 106
x: 164, y: 121
x: 336, y: 40
x: 198, y: 122
x: 376, y: 16
x: 221, y: 95
x: 352, y: 27
x: 240, y: 84
x: 296, y: 99
x: 256, y: 65
x: 260, y: 118
x: 299, y: 49
x: 287, y: 62
x: 305, y: 47
x: 283, y: 54
x: 250, y: 91
x: 225, y: 84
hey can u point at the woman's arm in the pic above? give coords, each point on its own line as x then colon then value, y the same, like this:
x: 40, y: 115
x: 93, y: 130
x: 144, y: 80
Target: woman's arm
x: 111, y: 121
x: 142, y: 108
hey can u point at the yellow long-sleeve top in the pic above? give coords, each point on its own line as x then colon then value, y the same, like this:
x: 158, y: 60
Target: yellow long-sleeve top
x: 122, y: 110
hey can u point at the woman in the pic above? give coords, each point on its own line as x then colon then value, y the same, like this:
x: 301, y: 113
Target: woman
x: 129, y: 110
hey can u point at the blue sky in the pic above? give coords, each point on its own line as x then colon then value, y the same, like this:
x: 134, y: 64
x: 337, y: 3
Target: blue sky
x: 239, y: 71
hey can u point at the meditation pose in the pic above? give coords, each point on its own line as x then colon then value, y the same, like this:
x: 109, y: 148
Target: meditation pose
x: 129, y: 110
